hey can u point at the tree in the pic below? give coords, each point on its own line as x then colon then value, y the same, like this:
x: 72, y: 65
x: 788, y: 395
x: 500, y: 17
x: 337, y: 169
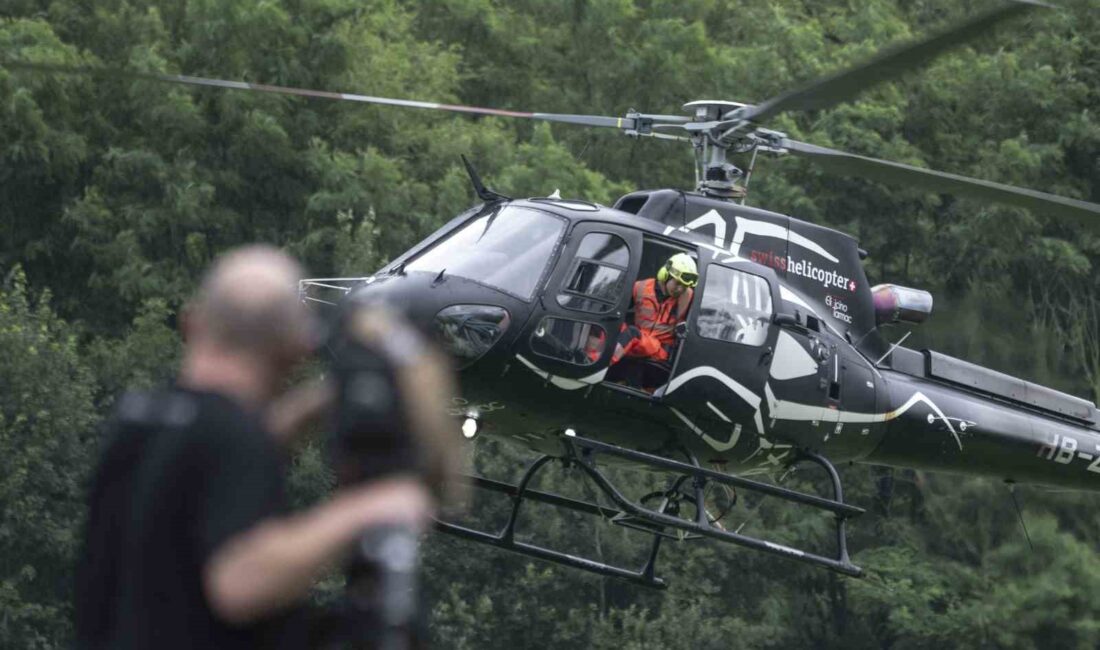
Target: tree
x: 115, y: 194
x: 47, y: 419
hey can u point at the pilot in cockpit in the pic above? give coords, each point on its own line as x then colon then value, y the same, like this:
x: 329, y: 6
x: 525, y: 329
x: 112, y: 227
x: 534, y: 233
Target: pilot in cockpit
x: 660, y: 305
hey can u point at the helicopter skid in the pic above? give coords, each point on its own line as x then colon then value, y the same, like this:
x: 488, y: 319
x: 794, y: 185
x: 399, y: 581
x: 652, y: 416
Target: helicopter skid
x: 661, y: 522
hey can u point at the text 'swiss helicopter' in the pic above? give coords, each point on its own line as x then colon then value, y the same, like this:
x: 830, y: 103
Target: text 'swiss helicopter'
x: 782, y: 359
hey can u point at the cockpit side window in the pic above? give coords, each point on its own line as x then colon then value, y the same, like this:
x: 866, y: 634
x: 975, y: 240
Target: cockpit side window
x: 596, y: 280
x: 507, y: 249
x: 736, y: 307
x: 568, y: 340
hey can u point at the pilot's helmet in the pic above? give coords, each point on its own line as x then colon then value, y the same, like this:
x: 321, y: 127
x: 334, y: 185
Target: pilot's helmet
x: 681, y: 268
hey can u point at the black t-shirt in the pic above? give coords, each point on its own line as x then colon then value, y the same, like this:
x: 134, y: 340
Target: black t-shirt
x: 182, y: 472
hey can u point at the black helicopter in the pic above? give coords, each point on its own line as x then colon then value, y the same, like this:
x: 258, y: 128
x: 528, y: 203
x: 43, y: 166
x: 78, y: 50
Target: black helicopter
x: 782, y: 360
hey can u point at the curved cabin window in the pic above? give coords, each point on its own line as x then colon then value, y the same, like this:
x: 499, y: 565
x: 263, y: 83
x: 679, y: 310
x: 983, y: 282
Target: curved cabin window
x: 569, y: 340
x: 508, y: 249
x: 735, y: 307
x: 595, y: 282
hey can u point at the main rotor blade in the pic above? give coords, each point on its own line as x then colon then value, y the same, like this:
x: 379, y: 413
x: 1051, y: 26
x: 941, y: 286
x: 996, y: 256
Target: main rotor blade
x: 901, y: 174
x: 626, y: 123
x: 841, y: 86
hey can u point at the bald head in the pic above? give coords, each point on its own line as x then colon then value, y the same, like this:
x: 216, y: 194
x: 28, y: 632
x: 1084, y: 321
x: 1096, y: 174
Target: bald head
x: 248, y: 302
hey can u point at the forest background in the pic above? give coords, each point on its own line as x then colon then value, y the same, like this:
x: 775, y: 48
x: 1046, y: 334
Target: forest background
x: 116, y: 194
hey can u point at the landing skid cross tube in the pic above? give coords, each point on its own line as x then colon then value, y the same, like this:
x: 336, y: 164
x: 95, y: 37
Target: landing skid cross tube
x: 582, y: 453
x: 506, y: 538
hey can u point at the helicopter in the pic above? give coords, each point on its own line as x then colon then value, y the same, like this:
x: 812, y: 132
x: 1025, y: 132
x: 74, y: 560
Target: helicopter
x: 782, y: 358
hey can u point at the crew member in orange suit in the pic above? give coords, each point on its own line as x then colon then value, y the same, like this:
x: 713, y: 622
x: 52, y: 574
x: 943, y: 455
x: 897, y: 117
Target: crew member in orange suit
x: 660, y: 304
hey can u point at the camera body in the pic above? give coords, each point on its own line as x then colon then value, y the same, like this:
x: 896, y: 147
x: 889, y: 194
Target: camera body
x: 371, y: 434
x: 389, y: 419
x: 393, y: 386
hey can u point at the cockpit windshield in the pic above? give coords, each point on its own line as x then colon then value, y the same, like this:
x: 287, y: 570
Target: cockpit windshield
x: 507, y: 249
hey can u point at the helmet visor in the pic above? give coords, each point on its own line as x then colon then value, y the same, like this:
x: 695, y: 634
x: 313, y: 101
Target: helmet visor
x: 686, y: 278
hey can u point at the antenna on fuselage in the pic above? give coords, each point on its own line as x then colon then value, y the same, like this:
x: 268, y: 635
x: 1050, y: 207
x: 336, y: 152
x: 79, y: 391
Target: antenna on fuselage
x: 484, y: 193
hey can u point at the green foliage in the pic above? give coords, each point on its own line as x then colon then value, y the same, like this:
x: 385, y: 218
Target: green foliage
x: 144, y: 357
x: 46, y: 418
x: 116, y: 194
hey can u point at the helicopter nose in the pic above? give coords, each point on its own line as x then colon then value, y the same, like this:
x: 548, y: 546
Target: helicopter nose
x: 465, y: 329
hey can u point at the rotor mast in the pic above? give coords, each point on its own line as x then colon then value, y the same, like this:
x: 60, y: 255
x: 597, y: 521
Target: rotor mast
x: 715, y: 175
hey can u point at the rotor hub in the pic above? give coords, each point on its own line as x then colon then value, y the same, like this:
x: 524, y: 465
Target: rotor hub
x: 711, y: 110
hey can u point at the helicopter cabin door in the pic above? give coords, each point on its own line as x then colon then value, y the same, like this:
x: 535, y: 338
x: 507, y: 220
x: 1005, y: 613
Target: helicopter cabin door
x: 571, y: 340
x: 718, y: 379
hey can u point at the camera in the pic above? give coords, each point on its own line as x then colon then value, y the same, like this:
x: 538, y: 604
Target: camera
x: 389, y: 419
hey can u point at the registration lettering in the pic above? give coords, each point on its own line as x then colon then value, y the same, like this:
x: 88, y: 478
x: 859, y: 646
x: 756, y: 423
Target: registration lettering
x: 1062, y: 449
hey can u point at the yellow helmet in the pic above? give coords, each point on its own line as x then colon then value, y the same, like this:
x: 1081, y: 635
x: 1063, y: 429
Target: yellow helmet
x: 681, y: 268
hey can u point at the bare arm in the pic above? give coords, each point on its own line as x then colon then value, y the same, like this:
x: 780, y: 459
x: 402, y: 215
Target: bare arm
x: 298, y: 408
x: 273, y: 564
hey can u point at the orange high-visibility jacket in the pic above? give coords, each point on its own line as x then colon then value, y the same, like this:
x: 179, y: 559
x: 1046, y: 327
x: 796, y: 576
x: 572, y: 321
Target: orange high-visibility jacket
x: 656, y: 319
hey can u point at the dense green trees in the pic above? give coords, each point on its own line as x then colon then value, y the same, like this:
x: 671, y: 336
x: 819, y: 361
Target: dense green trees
x: 46, y: 418
x: 115, y: 194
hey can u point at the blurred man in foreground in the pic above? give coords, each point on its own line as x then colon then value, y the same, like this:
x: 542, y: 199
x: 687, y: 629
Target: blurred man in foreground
x: 189, y: 543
